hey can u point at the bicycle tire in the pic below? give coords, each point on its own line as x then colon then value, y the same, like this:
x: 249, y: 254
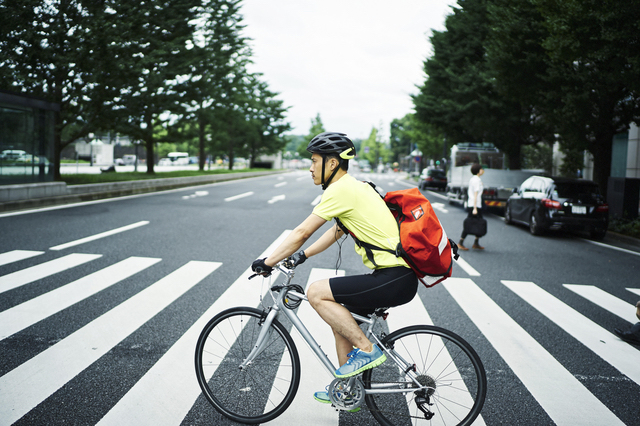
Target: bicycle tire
x: 263, y: 390
x: 456, y: 375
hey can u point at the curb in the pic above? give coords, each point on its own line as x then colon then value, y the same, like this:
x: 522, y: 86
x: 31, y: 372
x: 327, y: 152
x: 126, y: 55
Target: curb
x: 98, y: 191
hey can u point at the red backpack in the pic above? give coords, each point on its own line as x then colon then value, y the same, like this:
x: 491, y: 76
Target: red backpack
x: 423, y: 242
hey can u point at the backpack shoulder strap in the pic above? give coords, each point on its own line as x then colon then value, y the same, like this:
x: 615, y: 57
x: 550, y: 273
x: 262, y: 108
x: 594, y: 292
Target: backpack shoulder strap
x: 368, y: 247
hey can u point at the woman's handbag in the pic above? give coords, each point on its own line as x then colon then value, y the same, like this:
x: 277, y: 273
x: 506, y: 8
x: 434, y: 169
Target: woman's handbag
x: 475, y: 225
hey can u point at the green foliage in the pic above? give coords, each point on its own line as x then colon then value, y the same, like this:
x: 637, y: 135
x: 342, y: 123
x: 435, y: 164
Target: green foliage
x: 169, y: 73
x: 520, y: 72
x: 572, y: 161
x: 316, y: 128
x: 539, y: 156
x: 626, y: 227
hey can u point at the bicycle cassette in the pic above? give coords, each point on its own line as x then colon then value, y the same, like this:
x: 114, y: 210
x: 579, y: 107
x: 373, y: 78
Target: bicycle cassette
x: 346, y: 394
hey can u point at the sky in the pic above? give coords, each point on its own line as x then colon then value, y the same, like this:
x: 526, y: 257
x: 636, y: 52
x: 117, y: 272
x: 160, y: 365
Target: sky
x: 354, y: 62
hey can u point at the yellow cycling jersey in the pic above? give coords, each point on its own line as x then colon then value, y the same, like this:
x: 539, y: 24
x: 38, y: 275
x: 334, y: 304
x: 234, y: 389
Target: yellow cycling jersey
x: 363, y: 212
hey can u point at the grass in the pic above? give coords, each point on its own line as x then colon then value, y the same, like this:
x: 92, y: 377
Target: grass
x: 80, y: 179
x: 626, y: 227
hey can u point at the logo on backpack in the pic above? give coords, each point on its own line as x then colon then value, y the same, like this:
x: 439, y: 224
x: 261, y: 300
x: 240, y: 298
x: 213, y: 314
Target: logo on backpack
x: 417, y: 213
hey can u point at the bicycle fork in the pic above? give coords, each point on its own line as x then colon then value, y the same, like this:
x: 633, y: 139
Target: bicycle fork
x: 263, y: 337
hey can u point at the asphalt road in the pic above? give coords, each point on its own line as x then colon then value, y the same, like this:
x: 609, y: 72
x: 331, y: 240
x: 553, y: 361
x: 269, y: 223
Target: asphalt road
x: 100, y: 303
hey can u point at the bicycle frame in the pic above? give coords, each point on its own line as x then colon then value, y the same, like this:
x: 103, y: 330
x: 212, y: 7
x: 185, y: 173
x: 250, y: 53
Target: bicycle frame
x: 279, y: 306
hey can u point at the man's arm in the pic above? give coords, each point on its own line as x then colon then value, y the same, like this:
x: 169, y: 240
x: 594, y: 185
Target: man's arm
x: 296, y: 239
x: 325, y: 241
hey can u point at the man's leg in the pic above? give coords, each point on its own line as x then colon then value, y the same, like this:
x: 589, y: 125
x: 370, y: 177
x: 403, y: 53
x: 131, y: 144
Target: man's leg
x: 346, y: 330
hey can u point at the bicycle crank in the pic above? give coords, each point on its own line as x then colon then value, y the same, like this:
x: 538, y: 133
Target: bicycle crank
x: 346, y: 394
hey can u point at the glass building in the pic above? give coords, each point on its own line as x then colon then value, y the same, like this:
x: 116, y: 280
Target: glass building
x: 26, y: 139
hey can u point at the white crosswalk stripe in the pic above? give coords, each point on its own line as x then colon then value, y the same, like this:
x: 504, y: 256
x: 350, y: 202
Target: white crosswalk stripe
x: 34, y: 273
x: 561, y: 395
x: 616, y: 352
x: 605, y: 300
x: 314, y: 376
x: 167, y: 391
x: 28, y: 313
x: 16, y: 255
x: 26, y: 386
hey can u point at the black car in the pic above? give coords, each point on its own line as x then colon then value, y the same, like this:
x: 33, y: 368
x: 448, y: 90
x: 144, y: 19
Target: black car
x: 433, y: 178
x: 550, y: 203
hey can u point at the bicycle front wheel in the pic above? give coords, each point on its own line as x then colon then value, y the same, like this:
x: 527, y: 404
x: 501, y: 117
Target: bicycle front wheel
x: 263, y: 389
x: 442, y: 361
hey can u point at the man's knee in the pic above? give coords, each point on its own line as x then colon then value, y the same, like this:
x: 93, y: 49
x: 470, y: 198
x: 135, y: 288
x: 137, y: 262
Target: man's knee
x: 319, y: 291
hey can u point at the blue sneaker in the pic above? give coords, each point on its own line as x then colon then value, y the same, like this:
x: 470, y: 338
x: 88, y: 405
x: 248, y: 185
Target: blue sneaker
x: 324, y: 398
x: 360, y: 361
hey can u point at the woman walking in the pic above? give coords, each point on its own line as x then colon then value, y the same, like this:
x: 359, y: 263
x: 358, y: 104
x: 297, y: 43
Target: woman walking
x: 474, y: 205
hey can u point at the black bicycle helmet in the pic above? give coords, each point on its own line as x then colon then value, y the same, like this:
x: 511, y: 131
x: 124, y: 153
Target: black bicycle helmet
x: 331, y: 143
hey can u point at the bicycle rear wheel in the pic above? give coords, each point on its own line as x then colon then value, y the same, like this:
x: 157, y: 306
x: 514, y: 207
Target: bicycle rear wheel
x: 265, y: 388
x: 445, y: 363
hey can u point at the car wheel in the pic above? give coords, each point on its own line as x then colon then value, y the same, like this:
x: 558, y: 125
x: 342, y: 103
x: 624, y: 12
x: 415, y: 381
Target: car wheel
x: 534, y: 226
x: 598, y: 233
x: 507, y: 215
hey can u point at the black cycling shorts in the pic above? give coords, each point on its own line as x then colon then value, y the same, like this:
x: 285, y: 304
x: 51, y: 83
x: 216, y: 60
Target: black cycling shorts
x: 384, y: 288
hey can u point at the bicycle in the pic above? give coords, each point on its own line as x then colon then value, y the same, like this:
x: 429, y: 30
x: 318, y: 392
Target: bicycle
x: 248, y: 367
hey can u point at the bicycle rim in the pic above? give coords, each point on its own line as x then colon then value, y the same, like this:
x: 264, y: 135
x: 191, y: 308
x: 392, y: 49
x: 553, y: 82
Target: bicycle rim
x: 444, y: 362
x: 261, y: 391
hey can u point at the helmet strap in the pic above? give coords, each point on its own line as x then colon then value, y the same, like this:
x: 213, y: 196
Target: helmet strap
x: 326, y: 184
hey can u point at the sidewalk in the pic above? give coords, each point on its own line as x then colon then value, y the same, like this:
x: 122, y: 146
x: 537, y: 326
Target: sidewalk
x: 36, y: 195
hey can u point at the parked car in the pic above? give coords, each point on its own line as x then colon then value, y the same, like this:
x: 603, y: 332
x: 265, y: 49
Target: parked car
x: 433, y: 178
x: 553, y: 203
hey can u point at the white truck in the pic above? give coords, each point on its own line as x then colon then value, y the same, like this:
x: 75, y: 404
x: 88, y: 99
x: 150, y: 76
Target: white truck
x: 498, y: 182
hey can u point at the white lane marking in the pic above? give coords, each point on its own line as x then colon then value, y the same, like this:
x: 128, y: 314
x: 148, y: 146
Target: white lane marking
x: 166, y: 393
x: 101, y: 235
x: 613, y: 247
x: 16, y: 255
x: 278, y: 185
x: 467, y: 268
x: 28, y: 385
x: 34, y: 273
x: 440, y: 207
x: 607, y: 301
x: 237, y: 197
x: 634, y: 290
x: 28, y: 313
x: 559, y: 393
x: 606, y: 345
x: 316, y: 200
x: 277, y: 198
x: 314, y: 376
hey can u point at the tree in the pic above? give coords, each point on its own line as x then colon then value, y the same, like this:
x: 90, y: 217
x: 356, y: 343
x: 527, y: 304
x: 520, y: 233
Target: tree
x: 594, y: 71
x: 150, y: 54
x: 217, y: 52
x: 52, y: 49
x: 316, y: 128
x: 400, y: 138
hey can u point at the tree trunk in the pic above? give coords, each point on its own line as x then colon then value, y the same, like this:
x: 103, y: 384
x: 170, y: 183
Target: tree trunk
x: 201, y: 141
x: 57, y: 148
x: 149, y: 142
x: 602, y: 149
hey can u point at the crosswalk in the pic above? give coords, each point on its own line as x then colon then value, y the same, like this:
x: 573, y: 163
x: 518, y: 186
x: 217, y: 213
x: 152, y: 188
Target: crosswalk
x: 167, y: 392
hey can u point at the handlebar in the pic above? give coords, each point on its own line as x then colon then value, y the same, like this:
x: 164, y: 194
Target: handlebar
x: 286, y: 266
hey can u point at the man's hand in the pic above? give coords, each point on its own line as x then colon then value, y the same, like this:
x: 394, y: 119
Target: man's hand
x: 259, y: 267
x: 298, y: 258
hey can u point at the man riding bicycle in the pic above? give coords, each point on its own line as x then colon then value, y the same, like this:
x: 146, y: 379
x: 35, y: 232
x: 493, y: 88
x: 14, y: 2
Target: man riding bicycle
x: 357, y: 207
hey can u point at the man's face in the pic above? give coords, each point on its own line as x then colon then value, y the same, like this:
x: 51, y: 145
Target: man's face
x: 316, y: 168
